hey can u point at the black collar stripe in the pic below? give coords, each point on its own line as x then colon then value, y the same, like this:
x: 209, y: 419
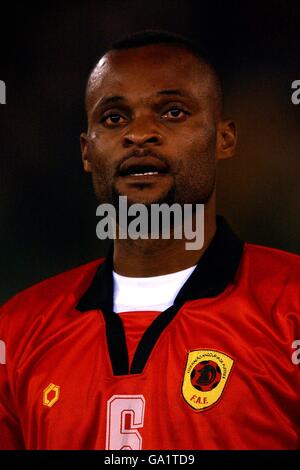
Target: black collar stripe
x: 215, y: 270
x: 115, y: 335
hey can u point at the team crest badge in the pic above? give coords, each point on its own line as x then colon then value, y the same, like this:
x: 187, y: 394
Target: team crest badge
x: 206, y: 374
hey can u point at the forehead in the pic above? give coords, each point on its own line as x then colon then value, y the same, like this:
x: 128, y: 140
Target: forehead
x: 144, y: 70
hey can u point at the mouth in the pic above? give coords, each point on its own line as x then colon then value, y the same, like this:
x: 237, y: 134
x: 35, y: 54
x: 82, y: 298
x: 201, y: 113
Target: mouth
x: 142, y: 168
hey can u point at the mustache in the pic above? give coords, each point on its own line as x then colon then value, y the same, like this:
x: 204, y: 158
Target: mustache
x: 141, y: 153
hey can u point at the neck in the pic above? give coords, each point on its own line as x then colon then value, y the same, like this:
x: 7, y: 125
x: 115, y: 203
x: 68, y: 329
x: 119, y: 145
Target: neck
x: 146, y: 258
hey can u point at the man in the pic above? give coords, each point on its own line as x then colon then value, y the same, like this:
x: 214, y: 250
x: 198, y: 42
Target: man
x: 156, y: 347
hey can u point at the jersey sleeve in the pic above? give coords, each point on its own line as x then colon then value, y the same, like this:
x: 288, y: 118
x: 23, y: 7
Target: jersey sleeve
x: 10, y: 428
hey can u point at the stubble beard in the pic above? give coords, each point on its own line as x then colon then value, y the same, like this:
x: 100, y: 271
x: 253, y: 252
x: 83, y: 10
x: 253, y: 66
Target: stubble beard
x: 184, y: 190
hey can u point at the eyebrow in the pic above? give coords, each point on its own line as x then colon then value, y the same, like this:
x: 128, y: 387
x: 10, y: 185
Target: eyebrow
x: 182, y: 93
x: 110, y: 100
x: 171, y: 92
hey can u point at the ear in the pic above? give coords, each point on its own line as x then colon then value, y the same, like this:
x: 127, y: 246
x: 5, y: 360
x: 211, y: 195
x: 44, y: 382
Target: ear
x: 226, y: 139
x: 84, y: 144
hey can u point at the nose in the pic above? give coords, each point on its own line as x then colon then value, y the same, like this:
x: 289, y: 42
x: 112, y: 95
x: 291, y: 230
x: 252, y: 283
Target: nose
x: 141, y: 132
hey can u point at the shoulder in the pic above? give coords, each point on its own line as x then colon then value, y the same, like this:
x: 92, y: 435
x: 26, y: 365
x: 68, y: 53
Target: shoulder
x: 271, y: 273
x: 272, y: 261
x: 64, y: 288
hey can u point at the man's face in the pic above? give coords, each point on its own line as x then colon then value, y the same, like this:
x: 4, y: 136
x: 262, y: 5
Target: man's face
x: 151, y: 127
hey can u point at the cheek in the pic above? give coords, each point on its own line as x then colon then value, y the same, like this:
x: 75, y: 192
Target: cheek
x: 197, y: 160
x: 103, y: 151
x: 201, y: 147
x: 97, y: 154
x: 200, y: 135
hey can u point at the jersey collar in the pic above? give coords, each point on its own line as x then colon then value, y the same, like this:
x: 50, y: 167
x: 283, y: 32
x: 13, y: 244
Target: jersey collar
x: 215, y: 270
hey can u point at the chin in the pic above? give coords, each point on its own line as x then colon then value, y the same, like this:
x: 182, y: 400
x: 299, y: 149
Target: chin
x: 147, y: 196
x: 147, y: 201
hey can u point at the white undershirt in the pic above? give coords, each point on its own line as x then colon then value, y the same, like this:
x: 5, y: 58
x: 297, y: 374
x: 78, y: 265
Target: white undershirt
x: 147, y: 293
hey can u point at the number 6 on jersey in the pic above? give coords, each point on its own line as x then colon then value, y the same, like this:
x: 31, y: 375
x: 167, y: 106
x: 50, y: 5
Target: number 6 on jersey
x: 125, y: 415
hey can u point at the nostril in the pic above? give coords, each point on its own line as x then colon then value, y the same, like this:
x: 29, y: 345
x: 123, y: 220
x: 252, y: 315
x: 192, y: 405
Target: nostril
x: 141, y: 140
x: 128, y: 141
x: 152, y: 140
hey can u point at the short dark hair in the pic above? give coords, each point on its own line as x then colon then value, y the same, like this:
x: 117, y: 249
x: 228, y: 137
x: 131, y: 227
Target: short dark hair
x: 149, y: 37
x: 160, y: 36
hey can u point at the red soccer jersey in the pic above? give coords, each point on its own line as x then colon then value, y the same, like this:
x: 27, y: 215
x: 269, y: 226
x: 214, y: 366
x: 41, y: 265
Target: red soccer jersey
x: 214, y: 371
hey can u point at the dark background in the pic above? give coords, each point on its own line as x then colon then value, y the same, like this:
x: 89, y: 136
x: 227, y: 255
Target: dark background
x: 47, y: 208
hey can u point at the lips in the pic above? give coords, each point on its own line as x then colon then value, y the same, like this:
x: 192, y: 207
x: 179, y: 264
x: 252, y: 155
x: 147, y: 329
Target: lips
x: 142, y: 167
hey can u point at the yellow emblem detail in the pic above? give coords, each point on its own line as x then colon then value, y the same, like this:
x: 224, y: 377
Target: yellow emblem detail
x: 205, y: 376
x: 51, y: 395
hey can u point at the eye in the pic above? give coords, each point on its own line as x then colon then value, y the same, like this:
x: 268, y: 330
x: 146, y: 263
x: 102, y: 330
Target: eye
x: 175, y: 113
x: 112, y: 119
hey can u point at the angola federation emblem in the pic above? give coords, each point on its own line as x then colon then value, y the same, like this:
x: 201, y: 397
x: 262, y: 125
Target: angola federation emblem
x: 205, y: 376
